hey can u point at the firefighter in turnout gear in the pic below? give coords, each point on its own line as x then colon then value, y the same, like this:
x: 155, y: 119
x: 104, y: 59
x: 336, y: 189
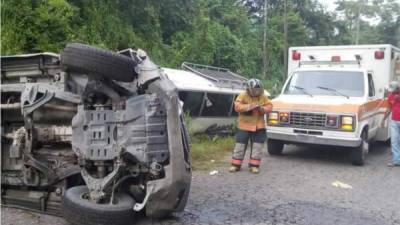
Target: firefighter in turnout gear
x: 251, y: 106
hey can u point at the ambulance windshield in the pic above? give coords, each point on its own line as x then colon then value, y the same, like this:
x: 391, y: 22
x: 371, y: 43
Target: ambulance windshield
x: 340, y: 83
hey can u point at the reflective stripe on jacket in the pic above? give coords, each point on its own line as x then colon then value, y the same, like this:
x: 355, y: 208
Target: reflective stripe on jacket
x: 251, y: 120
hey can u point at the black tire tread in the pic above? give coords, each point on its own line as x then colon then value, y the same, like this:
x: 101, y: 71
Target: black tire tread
x: 357, y: 158
x: 92, y: 60
x: 78, y: 212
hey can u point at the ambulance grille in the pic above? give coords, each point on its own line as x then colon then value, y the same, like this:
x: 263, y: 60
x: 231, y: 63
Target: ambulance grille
x: 303, y: 119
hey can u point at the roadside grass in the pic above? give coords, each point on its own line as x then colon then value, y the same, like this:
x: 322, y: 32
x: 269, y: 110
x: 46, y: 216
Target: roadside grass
x: 208, y: 153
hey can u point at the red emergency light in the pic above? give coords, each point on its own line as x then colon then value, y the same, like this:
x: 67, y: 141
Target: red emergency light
x: 379, y: 54
x: 335, y: 58
x: 296, y: 55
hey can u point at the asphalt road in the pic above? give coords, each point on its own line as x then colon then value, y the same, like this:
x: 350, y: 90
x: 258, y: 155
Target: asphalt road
x: 296, y: 188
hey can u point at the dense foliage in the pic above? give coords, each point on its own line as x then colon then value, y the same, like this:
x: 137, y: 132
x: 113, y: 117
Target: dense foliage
x: 225, y: 33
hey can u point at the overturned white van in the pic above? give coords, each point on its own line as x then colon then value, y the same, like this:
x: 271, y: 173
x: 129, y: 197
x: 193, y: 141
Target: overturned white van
x: 207, y: 94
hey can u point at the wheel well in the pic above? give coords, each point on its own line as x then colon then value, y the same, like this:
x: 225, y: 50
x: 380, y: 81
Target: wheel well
x: 365, y: 128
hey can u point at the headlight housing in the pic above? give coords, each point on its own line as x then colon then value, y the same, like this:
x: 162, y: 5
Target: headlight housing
x: 273, y: 118
x: 347, y: 123
x: 342, y: 122
x: 283, y: 117
x: 332, y: 121
x: 278, y: 118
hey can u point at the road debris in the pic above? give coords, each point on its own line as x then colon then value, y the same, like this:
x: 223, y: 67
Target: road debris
x: 341, y: 185
x: 214, y: 172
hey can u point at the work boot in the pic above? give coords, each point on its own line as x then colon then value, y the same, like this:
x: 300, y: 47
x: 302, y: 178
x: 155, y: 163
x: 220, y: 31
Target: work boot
x: 254, y: 170
x: 234, y: 168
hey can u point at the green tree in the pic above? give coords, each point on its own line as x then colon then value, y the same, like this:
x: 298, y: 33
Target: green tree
x: 226, y: 33
x: 34, y: 26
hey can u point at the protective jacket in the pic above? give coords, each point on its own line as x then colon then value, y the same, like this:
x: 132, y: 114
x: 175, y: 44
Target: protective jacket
x: 252, y: 120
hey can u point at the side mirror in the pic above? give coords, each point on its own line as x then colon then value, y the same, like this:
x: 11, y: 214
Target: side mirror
x: 386, y: 93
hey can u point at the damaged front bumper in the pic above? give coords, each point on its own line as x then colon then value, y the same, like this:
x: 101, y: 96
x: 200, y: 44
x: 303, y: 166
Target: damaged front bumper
x: 170, y: 193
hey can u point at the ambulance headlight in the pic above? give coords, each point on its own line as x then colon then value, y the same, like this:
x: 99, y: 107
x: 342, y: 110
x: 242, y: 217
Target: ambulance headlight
x: 332, y: 121
x: 273, y: 118
x: 283, y: 117
x: 347, y: 122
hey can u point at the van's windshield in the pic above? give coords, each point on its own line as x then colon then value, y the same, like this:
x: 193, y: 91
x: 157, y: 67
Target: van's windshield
x: 341, y: 83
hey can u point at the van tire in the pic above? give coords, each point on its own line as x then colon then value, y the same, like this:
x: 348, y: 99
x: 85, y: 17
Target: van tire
x: 359, y: 153
x: 87, y: 59
x: 275, y: 147
x: 77, y: 210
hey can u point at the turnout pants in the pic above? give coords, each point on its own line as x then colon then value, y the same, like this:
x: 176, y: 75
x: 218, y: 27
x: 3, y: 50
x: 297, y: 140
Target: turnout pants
x: 242, y: 139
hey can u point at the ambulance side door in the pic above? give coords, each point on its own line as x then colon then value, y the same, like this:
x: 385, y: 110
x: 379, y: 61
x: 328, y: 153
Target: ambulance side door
x: 373, y: 106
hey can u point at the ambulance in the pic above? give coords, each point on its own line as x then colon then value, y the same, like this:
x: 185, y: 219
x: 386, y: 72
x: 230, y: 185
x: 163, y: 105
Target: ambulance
x: 334, y: 95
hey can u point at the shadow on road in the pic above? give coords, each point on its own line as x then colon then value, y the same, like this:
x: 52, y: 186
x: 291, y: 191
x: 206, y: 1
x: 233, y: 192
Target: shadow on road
x: 296, y: 212
x: 333, y: 154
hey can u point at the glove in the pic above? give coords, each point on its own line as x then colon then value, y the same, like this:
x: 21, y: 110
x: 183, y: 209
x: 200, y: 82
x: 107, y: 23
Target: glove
x: 252, y: 106
x: 262, y: 110
x: 265, y: 109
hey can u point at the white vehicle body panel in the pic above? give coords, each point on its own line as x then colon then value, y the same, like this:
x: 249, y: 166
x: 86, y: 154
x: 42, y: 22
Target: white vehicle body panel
x: 187, y: 81
x: 368, y: 111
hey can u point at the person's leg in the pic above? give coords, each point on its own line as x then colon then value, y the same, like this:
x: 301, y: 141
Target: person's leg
x: 242, y: 137
x: 395, y: 142
x: 258, y: 139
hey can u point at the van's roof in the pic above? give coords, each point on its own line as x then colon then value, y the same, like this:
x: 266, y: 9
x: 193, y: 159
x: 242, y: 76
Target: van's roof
x: 221, y: 77
x: 186, y: 80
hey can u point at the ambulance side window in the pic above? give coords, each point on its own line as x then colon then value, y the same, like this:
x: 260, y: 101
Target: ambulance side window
x: 371, y: 86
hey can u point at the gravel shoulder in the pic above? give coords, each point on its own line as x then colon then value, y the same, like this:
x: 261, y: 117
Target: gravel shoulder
x: 295, y: 188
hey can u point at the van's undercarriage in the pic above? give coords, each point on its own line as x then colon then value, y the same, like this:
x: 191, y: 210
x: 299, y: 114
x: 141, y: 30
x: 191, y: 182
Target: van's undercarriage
x: 92, y: 132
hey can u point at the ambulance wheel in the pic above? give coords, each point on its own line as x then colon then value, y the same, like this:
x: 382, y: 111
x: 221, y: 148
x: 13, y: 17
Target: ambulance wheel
x: 275, y: 147
x: 359, y: 153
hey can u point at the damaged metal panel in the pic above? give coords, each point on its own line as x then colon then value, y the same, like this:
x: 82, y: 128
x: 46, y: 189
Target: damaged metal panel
x: 68, y: 126
x: 172, y: 191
